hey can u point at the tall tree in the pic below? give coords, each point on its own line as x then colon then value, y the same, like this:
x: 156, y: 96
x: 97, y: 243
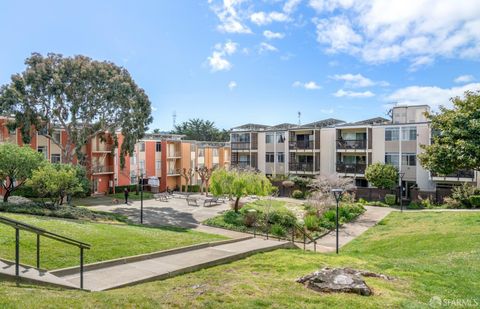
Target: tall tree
x: 16, y: 166
x: 83, y: 97
x: 201, y: 130
x: 455, y: 139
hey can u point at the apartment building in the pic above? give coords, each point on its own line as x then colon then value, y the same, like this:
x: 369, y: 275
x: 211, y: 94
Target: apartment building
x: 157, y: 158
x: 333, y: 146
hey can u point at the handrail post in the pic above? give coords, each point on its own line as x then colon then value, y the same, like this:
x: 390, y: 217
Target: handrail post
x: 81, y: 268
x: 38, y: 251
x: 17, y: 252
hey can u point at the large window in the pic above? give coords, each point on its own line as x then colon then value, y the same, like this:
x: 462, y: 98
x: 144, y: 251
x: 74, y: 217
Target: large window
x: 268, y: 138
x: 392, y: 134
x: 409, y: 134
x: 158, y: 147
x: 280, y: 137
x: 409, y: 159
x: 269, y: 157
x: 55, y: 158
x: 280, y: 157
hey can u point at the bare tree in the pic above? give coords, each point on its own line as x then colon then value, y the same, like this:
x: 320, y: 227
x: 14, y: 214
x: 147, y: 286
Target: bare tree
x: 187, y: 174
x: 205, y: 174
x: 321, y: 187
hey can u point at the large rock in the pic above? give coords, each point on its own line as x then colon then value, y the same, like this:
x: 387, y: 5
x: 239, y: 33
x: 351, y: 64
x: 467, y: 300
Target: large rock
x: 340, y: 280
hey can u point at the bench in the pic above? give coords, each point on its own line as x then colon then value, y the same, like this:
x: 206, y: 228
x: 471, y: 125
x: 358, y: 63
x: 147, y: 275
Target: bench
x: 162, y: 197
x: 211, y: 201
x: 191, y: 201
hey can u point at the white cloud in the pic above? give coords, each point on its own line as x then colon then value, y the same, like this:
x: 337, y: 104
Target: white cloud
x: 353, y: 94
x: 228, y: 13
x: 431, y: 95
x: 265, y: 47
x: 311, y: 85
x: 262, y: 18
x: 232, y: 85
x: 464, y: 79
x: 357, y: 80
x: 273, y: 35
x: 217, y: 61
x: 379, y: 31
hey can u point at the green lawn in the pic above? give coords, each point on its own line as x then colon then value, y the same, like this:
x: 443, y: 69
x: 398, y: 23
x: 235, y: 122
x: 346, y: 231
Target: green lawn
x: 108, y: 241
x: 430, y: 254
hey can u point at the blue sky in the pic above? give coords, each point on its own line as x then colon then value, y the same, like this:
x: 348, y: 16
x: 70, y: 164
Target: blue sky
x: 239, y: 61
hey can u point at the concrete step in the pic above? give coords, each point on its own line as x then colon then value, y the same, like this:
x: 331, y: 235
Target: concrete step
x: 166, y: 266
x: 33, y: 275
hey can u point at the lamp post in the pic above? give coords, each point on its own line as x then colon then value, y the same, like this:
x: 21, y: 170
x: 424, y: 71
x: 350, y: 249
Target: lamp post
x: 141, y: 198
x: 338, y: 194
x: 401, y: 190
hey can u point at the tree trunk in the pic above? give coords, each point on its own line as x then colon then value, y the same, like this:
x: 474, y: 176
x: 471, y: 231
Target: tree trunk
x: 236, y: 204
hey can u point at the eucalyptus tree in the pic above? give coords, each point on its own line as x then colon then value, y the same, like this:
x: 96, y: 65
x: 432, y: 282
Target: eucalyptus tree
x: 83, y: 97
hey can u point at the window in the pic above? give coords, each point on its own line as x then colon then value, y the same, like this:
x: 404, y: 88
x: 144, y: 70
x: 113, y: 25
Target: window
x: 158, y: 147
x: 269, y: 157
x: 142, y: 146
x: 201, y: 152
x: 56, y: 136
x: 409, y: 159
x: 280, y: 137
x: 269, y: 138
x: 409, y: 133
x: 280, y: 157
x: 43, y: 149
x: 391, y: 158
x: 391, y: 134
x: 55, y: 158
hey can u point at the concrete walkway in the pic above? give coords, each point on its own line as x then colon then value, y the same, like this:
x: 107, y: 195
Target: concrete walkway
x: 171, y: 265
x: 351, y: 230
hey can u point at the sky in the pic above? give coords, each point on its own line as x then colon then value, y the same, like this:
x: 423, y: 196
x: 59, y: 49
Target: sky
x: 261, y: 61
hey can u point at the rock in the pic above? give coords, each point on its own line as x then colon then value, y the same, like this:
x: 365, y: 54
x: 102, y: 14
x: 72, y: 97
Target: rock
x: 340, y: 280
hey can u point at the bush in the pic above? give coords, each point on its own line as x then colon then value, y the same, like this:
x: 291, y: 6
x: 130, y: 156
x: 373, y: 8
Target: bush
x: 474, y: 201
x: 311, y: 222
x: 278, y: 230
x: 297, y: 194
x: 390, y: 199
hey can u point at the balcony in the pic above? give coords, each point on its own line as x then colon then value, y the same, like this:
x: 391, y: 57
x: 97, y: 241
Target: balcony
x: 102, y: 169
x: 300, y: 145
x: 240, y: 145
x: 351, y: 168
x: 301, y: 167
x: 461, y: 175
x: 352, y: 144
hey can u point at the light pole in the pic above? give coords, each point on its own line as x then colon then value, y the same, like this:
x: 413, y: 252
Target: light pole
x: 141, y: 198
x: 401, y: 190
x: 338, y: 194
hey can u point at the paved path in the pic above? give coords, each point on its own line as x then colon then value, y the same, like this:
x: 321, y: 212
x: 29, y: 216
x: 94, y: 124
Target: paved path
x: 352, y: 230
x: 171, y: 265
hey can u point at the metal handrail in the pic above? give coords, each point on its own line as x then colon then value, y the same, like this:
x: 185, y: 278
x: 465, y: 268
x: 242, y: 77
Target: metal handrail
x: 18, y: 225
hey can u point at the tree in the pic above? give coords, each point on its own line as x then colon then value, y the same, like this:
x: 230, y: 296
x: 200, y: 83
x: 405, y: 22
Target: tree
x: 55, y: 181
x: 383, y: 176
x: 83, y: 97
x: 455, y: 139
x: 205, y: 174
x: 239, y: 183
x: 201, y: 130
x: 321, y: 196
x: 187, y: 174
x: 16, y: 166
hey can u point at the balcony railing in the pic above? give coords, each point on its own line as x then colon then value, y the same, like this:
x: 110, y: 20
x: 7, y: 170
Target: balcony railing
x: 240, y: 145
x: 301, y: 167
x: 351, y: 144
x: 460, y: 174
x: 351, y: 168
x: 102, y: 169
x: 293, y: 145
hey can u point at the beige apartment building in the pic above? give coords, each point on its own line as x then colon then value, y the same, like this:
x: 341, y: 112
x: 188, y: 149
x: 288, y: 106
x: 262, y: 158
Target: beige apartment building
x: 332, y: 146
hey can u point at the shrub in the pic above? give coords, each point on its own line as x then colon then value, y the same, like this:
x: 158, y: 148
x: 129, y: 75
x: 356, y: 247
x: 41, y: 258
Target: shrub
x: 311, y: 222
x: 390, y: 199
x: 278, y: 230
x: 297, y: 194
x: 474, y: 201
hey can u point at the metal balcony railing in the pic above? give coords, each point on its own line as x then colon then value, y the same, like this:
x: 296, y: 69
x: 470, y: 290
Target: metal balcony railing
x: 293, y: 145
x: 351, y: 168
x: 351, y: 144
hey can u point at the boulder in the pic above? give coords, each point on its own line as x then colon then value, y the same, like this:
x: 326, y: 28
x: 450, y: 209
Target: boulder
x: 340, y: 280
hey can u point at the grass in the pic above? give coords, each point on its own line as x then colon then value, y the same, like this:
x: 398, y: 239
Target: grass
x: 430, y: 254
x: 108, y: 241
